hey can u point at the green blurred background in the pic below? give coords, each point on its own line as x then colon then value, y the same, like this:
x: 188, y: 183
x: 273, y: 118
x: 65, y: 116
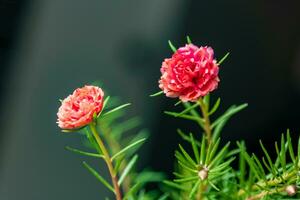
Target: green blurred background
x: 49, y: 48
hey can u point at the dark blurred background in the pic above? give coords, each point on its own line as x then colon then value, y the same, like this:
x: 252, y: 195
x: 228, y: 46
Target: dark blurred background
x: 48, y: 48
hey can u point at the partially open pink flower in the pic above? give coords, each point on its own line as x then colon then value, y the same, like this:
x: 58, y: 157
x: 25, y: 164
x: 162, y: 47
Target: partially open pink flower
x: 191, y: 73
x: 78, y: 109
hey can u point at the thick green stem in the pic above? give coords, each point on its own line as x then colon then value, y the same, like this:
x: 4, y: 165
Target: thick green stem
x: 207, y: 125
x: 202, y: 188
x: 108, y: 161
x: 207, y: 129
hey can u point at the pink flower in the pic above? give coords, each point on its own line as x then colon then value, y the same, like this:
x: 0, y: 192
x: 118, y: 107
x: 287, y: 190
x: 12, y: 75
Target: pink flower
x: 191, y: 73
x: 77, y: 110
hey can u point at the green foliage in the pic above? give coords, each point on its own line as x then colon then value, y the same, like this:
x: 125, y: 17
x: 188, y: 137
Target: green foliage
x: 122, y: 143
x: 271, y: 177
x: 206, y: 167
x: 127, y: 148
x: 156, y: 94
x: 127, y: 169
x: 97, y: 155
x: 190, y: 113
x: 172, y: 46
x: 188, y: 40
x: 223, y: 59
x: 98, y: 176
x: 203, y: 168
x: 116, y: 109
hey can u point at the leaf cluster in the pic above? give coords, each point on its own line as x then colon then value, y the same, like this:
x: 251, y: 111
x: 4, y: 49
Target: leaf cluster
x: 204, y: 170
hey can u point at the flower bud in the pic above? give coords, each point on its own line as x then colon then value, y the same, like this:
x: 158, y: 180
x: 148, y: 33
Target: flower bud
x: 291, y: 190
x: 203, y: 173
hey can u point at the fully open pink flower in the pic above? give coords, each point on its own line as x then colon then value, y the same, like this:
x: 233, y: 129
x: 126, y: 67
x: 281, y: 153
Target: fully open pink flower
x: 78, y: 108
x: 191, y: 73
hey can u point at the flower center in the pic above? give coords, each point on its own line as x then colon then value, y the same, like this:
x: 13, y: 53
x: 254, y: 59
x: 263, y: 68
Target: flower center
x: 195, y: 80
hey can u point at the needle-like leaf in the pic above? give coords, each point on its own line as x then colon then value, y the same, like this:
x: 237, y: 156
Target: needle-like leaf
x: 98, y: 176
x: 127, y: 148
x: 172, y: 46
x: 249, y: 161
x: 217, y: 130
x: 213, y: 185
x: 186, y: 167
x: 187, y: 156
x: 195, y: 149
x: 72, y: 130
x: 116, y: 109
x: 206, y: 100
x: 187, y: 138
x: 215, y: 107
x: 283, y: 152
x: 104, y: 105
x: 290, y: 145
x: 175, y: 185
x: 177, y: 103
x: 242, y: 163
x: 84, y: 152
x: 267, y: 166
x: 156, y: 94
x: 188, y: 39
x: 188, y: 109
x: 132, y: 191
x: 203, y: 151
x: 267, y: 156
x: 223, y: 59
x: 222, y: 166
x: 211, y: 153
x: 219, y: 156
x: 193, y: 111
x: 183, y: 160
x: 188, y: 179
x: 210, y: 146
x: 175, y: 114
x: 118, y: 163
x: 259, y: 166
x: 229, y: 113
x: 149, y: 176
x: 194, y: 189
x: 127, y: 169
x: 164, y: 197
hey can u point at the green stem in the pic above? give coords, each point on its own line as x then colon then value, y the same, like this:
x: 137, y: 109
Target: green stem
x: 264, y: 193
x: 274, y: 182
x: 207, y: 129
x: 108, y: 161
x: 207, y: 125
x: 115, y: 147
x: 202, y: 188
x: 285, y: 177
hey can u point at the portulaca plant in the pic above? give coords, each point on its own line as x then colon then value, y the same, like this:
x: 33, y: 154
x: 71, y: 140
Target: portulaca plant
x: 203, y: 167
